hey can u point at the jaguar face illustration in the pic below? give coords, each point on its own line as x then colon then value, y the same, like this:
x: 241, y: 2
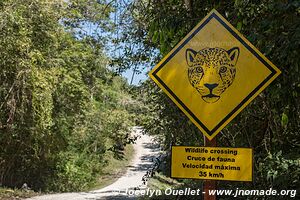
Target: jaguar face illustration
x: 211, y: 71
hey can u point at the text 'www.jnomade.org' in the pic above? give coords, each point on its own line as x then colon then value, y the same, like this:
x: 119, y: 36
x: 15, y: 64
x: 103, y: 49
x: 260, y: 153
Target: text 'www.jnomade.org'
x: 197, y: 192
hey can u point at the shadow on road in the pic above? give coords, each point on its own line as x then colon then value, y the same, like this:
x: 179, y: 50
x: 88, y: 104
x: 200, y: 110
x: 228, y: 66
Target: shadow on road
x: 152, y: 146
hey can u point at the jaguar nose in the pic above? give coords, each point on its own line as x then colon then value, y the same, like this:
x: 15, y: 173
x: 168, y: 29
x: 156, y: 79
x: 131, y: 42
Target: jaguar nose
x: 211, y: 86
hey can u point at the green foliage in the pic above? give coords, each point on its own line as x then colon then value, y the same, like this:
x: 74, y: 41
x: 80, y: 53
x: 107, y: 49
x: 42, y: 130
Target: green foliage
x: 61, y: 108
x: 271, y: 123
x: 278, y: 170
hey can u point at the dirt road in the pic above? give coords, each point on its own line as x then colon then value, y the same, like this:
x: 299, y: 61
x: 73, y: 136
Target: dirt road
x: 145, y: 153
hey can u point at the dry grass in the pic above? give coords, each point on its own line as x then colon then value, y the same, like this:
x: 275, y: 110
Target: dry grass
x: 16, y: 194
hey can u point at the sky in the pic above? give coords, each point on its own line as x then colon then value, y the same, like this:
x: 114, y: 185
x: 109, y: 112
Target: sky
x: 90, y: 29
x: 138, y: 78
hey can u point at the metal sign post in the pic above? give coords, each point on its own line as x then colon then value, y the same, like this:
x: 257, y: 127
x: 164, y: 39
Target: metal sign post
x: 209, y: 184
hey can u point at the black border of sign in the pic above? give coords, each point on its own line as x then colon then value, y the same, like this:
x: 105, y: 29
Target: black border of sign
x: 213, y: 15
x: 252, y: 171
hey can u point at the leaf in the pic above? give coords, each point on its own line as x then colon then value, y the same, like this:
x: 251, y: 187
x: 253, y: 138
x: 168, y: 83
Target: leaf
x: 237, y: 2
x: 161, y: 37
x: 239, y: 26
x: 155, y: 36
x: 284, y: 119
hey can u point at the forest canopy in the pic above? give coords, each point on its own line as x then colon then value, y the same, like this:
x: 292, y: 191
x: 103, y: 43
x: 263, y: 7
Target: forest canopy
x: 61, y: 106
x: 271, y: 123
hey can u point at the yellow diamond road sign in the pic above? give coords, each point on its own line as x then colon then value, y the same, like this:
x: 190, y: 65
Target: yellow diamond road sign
x: 213, y: 74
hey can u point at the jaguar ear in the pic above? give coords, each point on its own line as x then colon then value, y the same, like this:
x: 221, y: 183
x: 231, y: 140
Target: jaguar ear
x: 190, y: 56
x: 234, y: 54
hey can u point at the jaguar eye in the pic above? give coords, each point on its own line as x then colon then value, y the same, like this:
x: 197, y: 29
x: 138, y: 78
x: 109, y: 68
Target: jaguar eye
x: 199, y: 69
x: 223, y: 69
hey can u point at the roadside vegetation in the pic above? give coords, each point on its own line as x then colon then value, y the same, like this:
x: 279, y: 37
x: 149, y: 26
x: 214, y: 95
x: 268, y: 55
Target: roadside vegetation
x: 115, y: 168
x: 270, y: 124
x: 15, y: 194
x: 65, y: 113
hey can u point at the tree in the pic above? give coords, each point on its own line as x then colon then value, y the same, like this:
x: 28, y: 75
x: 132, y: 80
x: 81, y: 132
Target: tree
x: 271, y: 123
x: 56, y: 94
